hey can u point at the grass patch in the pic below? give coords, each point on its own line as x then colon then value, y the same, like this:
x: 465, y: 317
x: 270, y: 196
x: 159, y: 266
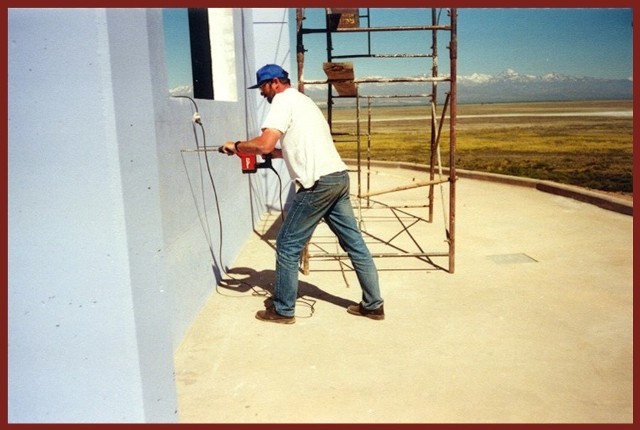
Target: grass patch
x: 594, y: 152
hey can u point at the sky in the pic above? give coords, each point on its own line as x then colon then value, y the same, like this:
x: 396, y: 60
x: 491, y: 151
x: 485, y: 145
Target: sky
x: 580, y: 42
x: 176, y: 41
x: 583, y: 42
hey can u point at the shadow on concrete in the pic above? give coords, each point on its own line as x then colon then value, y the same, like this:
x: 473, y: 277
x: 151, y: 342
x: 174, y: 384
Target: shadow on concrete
x: 241, y: 280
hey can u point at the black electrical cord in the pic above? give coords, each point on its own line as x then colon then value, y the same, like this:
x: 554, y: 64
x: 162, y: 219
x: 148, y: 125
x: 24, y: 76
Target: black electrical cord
x: 215, y: 192
x: 198, y: 121
x: 268, y: 164
x: 280, y: 193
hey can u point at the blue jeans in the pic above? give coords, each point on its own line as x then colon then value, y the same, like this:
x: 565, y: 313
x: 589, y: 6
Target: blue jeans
x: 328, y: 199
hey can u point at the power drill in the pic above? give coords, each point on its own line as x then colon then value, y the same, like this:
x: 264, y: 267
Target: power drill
x: 249, y: 163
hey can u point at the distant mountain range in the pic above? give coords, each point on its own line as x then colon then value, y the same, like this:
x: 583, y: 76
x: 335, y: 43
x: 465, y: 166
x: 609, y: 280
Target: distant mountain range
x: 508, y: 86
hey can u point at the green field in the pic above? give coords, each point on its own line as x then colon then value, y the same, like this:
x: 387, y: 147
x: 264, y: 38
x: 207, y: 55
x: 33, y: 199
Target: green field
x: 591, y: 151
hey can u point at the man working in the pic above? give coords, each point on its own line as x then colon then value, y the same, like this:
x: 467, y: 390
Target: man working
x: 314, y: 163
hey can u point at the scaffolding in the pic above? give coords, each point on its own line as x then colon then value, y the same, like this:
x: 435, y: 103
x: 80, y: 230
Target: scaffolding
x: 341, y: 79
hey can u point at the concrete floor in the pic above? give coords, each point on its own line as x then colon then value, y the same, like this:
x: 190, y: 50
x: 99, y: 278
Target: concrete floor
x: 535, y: 325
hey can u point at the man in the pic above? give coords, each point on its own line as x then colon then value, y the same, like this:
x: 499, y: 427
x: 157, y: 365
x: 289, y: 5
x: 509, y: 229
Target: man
x: 323, y: 193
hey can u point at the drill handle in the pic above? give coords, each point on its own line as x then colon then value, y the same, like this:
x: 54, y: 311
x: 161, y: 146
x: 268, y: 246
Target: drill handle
x: 267, y: 162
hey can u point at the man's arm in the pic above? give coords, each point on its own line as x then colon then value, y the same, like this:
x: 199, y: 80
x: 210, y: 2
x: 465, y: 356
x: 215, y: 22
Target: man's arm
x: 261, y: 145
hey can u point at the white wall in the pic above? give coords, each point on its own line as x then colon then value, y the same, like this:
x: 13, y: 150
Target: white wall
x: 192, y: 211
x: 73, y: 349
x: 108, y: 258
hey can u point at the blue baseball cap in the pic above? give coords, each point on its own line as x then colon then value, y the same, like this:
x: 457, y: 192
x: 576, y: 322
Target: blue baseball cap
x: 268, y: 72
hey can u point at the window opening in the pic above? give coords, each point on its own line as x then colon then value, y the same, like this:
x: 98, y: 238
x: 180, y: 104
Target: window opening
x: 200, y: 53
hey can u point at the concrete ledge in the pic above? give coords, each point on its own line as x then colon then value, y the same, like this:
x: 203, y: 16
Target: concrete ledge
x: 604, y: 201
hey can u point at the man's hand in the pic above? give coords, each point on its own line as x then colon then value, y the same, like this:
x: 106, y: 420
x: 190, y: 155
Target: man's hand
x: 228, y: 148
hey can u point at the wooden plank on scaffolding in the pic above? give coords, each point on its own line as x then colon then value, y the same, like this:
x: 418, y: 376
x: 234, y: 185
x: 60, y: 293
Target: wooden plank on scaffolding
x: 342, y: 17
x: 341, y: 76
x: 304, y: 259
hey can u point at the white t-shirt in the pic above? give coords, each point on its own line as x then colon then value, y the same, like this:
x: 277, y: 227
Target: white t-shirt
x: 307, y: 145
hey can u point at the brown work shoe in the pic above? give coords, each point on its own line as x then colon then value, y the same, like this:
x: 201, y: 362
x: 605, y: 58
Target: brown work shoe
x: 270, y: 315
x: 374, y: 314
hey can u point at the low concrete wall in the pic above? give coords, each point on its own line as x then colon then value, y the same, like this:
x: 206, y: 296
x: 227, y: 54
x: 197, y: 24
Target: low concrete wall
x: 604, y: 201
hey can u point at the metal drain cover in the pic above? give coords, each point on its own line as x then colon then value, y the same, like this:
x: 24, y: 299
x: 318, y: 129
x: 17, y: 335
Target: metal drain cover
x: 511, y: 258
